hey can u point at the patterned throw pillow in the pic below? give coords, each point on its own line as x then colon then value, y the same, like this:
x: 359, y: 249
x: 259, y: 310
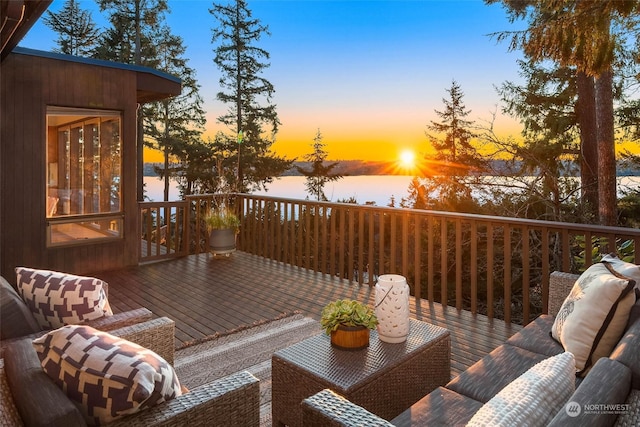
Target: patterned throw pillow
x: 57, y: 299
x: 108, y: 377
x: 593, y: 317
x: 532, y: 399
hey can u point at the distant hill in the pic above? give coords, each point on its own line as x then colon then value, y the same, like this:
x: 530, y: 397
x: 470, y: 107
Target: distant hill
x: 365, y: 167
x: 346, y: 167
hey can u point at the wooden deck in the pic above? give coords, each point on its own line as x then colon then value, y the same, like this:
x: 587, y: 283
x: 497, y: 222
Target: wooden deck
x: 205, y: 296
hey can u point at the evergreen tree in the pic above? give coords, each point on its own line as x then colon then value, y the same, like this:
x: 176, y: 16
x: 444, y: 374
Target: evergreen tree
x: 197, y: 167
x: 133, y: 23
x: 175, y: 123
x: 248, y: 96
x: 320, y: 173
x: 546, y: 108
x: 77, y: 33
x: 129, y: 41
x: 586, y: 35
x: 456, y: 157
x: 416, y: 197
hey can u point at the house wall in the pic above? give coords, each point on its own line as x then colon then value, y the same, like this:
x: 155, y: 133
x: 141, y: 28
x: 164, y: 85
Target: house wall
x: 28, y: 85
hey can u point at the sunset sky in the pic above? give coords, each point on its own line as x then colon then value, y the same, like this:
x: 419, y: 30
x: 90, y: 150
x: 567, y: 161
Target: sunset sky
x: 368, y: 74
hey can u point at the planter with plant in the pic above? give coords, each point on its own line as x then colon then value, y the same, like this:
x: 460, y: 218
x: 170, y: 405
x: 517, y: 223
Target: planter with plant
x: 223, y: 225
x: 348, y: 322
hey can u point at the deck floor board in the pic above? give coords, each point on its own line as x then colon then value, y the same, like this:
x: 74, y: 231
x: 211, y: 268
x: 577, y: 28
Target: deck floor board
x: 205, y: 296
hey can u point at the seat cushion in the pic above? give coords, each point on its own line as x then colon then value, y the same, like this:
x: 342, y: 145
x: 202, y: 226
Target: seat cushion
x: 532, y: 399
x: 108, y: 377
x: 16, y: 319
x: 485, y: 378
x: 441, y: 407
x: 598, y: 398
x: 627, y: 351
x: 594, y: 315
x: 57, y: 299
x: 39, y: 401
x: 536, y: 337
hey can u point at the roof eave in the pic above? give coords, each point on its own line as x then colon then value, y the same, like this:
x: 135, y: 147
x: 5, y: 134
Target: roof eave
x: 17, y: 19
x: 151, y: 84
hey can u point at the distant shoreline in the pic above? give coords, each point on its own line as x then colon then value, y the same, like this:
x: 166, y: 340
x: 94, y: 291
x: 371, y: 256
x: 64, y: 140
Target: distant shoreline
x: 365, y: 167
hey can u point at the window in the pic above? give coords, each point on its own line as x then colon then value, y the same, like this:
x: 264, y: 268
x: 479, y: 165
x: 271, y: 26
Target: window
x: 83, y: 175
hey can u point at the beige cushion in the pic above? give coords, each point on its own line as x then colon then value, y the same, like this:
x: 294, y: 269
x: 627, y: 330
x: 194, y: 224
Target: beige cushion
x: 627, y: 269
x: 594, y: 315
x: 532, y: 399
x: 108, y: 377
x: 57, y: 299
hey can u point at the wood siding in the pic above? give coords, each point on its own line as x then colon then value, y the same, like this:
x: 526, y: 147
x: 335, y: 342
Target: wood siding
x: 30, y: 84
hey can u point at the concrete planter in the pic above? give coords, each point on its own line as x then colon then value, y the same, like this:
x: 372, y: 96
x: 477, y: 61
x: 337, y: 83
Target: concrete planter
x: 222, y: 242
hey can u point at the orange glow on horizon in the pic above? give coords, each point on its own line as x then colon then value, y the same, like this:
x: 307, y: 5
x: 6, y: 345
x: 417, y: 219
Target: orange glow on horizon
x: 386, y: 148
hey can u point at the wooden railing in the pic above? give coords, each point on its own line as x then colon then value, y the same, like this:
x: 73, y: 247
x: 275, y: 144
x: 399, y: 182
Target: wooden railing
x: 164, y: 230
x: 491, y: 265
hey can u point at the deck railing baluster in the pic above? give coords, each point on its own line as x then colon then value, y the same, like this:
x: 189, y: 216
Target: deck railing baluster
x: 430, y: 258
x: 458, y: 253
x: 507, y: 273
x: 417, y: 256
x: 444, y: 263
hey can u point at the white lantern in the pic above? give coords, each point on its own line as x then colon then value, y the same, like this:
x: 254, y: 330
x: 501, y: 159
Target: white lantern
x: 392, y: 308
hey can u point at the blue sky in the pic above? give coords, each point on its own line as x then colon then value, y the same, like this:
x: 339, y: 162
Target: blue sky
x: 368, y: 74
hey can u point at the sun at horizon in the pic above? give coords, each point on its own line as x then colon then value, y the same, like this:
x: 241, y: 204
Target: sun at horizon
x: 407, y: 159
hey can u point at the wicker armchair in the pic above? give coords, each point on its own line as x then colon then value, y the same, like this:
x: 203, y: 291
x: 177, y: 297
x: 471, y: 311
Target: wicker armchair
x: 230, y: 401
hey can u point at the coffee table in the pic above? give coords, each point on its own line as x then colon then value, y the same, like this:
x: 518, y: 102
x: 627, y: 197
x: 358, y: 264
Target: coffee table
x: 384, y: 378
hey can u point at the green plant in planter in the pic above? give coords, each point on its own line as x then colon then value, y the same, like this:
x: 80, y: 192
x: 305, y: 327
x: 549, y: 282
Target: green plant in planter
x: 347, y: 313
x: 222, y: 219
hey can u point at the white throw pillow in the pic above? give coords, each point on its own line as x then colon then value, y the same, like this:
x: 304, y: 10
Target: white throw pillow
x: 594, y: 315
x: 627, y: 269
x: 532, y: 399
x: 57, y: 299
x: 105, y: 376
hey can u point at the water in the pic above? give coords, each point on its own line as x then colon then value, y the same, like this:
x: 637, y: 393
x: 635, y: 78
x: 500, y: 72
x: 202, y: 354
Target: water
x: 364, y: 188
x: 154, y: 189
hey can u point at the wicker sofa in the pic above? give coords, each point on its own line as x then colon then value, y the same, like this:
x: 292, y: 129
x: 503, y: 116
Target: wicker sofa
x: 612, y: 381
x: 29, y: 397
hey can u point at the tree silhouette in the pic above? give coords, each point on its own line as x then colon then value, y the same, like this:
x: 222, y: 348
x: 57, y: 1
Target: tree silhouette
x: 247, y: 94
x: 456, y: 157
x: 77, y: 32
x: 584, y: 35
x: 174, y: 124
x: 320, y: 173
x: 130, y: 40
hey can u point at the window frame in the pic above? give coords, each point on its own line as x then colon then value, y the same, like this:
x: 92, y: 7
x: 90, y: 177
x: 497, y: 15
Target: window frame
x: 74, y: 226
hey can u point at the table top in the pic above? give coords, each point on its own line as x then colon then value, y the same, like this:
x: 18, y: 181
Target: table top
x: 350, y: 369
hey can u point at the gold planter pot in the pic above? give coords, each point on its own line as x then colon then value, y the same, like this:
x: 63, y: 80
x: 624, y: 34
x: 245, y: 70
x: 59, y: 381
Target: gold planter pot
x: 350, y: 338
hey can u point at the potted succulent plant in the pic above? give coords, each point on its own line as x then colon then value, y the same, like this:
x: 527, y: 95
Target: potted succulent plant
x: 223, y: 225
x: 348, y: 322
